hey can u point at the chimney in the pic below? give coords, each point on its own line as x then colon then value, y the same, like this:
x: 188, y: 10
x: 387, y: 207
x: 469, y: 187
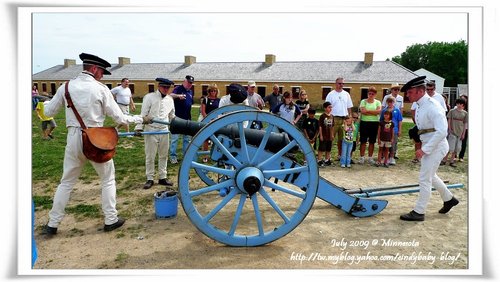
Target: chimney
x: 270, y: 59
x: 123, y: 61
x: 69, y: 62
x: 189, y: 60
x: 368, y: 58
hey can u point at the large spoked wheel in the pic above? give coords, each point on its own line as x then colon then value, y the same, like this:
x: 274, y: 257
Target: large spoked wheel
x: 203, y: 174
x: 260, y: 196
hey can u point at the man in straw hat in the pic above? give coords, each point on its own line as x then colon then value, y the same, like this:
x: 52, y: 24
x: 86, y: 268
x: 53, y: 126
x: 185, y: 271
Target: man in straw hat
x: 432, y: 129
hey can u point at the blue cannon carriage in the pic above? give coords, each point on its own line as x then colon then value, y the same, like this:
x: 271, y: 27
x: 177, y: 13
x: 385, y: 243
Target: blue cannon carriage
x: 258, y: 184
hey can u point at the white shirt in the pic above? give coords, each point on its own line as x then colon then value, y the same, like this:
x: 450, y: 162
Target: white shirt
x: 429, y: 114
x: 255, y: 100
x: 156, y: 106
x: 224, y: 101
x: 398, y: 104
x: 92, y: 100
x: 440, y: 99
x: 122, y: 94
x: 341, y: 101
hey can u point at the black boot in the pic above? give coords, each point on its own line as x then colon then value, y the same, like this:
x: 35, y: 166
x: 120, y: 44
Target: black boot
x: 448, y: 205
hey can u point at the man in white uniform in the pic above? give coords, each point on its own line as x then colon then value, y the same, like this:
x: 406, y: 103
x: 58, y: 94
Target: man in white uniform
x: 432, y: 127
x: 158, y: 105
x: 342, y: 104
x: 94, y: 102
x: 123, y: 97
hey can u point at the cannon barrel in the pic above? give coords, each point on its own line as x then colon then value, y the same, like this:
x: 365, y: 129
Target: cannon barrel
x: 253, y: 136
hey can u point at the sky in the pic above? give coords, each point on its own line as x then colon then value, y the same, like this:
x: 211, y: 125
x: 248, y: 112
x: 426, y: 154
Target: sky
x: 160, y: 36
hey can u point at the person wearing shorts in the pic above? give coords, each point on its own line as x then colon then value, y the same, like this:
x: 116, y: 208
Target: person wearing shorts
x: 370, y: 109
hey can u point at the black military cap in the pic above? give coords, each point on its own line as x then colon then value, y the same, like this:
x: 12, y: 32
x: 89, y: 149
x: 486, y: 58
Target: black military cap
x: 237, y: 92
x: 90, y: 59
x: 417, y: 81
x: 189, y: 78
x: 164, y: 81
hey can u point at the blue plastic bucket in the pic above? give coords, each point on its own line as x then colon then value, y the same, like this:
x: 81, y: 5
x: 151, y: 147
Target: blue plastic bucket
x: 166, y: 203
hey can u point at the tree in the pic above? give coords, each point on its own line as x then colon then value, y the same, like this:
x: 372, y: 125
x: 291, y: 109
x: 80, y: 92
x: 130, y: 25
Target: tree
x: 448, y: 60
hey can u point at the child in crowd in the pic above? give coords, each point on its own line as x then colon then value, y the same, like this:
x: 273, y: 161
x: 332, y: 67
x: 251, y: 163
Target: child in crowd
x: 325, y: 135
x: 397, y: 119
x: 355, y: 137
x: 48, y: 123
x: 385, y: 138
x: 457, y: 126
x: 288, y: 110
x: 303, y: 105
x: 311, y: 127
x: 347, y: 143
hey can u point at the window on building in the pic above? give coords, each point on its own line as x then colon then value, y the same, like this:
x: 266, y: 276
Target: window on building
x: 261, y: 90
x: 44, y: 87
x: 364, y: 93
x: 405, y: 98
x: 324, y: 91
x: 295, y: 92
x: 151, y: 87
x: 132, y: 88
x: 347, y: 89
x: 204, y: 90
x: 281, y: 90
x: 385, y: 91
x: 109, y: 85
x: 53, y: 88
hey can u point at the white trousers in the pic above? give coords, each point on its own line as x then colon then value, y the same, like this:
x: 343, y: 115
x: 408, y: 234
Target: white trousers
x: 74, y: 160
x: 156, y: 144
x: 428, y: 178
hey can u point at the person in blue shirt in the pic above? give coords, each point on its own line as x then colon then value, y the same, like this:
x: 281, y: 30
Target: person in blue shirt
x: 183, y: 101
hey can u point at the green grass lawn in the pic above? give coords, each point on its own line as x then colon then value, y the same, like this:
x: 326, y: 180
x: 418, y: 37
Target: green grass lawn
x: 48, y: 155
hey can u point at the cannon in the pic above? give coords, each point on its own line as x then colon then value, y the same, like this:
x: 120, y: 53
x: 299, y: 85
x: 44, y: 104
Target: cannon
x: 258, y: 184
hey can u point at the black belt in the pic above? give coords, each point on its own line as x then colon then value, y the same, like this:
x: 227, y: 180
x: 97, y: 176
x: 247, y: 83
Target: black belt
x: 122, y: 104
x: 339, y: 117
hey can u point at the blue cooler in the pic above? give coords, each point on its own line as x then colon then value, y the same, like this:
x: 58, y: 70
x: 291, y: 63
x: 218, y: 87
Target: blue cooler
x: 166, y: 204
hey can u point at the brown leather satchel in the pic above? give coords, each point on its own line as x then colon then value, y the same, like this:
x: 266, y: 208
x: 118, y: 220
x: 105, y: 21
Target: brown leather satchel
x: 99, y: 143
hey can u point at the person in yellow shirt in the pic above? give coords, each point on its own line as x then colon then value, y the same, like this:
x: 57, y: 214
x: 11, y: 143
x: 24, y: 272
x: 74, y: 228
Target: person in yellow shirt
x: 48, y: 123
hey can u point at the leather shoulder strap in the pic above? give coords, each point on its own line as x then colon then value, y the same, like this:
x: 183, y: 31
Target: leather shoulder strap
x: 72, y: 106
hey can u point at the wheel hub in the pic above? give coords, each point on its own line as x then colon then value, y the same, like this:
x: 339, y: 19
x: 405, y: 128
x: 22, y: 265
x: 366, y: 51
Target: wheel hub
x: 249, y: 180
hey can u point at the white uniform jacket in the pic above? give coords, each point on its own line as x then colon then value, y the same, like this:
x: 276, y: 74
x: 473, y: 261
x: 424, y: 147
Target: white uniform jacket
x: 93, y: 101
x: 429, y: 114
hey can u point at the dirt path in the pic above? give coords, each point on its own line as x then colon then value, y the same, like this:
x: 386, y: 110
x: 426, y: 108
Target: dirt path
x: 327, y: 239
